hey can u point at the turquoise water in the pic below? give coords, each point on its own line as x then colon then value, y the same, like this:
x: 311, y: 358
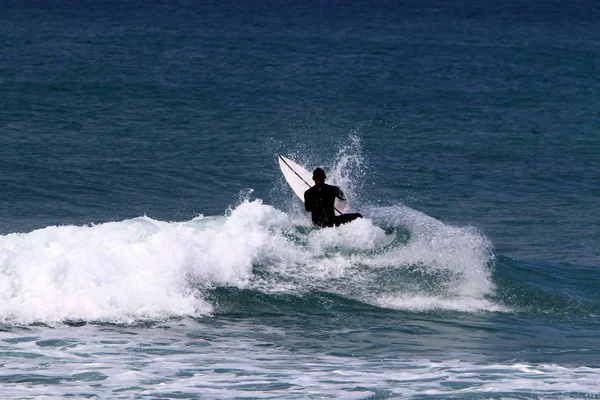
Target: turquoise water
x: 150, y: 248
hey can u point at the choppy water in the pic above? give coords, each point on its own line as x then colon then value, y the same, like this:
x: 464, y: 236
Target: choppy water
x: 149, y: 247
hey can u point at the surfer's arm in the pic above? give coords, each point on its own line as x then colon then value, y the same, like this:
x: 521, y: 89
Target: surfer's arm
x: 308, y: 203
x: 340, y: 195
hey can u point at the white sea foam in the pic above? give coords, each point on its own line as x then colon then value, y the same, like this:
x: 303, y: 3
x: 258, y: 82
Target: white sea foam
x: 157, y: 363
x: 359, y: 235
x: 143, y: 268
x: 463, y: 253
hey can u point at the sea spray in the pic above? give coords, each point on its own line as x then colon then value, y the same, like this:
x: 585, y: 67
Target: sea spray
x: 350, y: 168
x: 347, y: 168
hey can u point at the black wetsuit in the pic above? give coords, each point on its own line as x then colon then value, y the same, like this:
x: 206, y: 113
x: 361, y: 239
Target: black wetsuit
x: 320, y: 199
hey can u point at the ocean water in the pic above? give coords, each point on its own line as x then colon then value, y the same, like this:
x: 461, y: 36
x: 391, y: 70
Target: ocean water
x: 151, y: 249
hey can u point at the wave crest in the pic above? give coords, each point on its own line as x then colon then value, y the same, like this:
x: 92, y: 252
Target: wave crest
x: 147, y: 269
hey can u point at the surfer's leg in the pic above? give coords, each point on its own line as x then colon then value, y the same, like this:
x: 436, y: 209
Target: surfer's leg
x: 345, y: 218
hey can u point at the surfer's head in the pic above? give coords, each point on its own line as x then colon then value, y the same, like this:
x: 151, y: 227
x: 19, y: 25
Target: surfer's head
x: 319, y: 175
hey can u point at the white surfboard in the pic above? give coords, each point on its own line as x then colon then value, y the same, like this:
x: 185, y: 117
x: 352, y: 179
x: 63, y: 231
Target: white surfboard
x: 300, y: 180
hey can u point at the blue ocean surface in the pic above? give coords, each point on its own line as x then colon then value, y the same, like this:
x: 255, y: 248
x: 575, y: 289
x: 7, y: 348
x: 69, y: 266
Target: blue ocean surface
x: 151, y: 249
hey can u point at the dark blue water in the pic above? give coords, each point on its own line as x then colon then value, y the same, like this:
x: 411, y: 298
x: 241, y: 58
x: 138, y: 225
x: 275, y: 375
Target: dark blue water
x: 151, y: 248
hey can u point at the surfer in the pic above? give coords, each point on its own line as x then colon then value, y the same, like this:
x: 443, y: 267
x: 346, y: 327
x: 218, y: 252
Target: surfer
x: 320, y: 199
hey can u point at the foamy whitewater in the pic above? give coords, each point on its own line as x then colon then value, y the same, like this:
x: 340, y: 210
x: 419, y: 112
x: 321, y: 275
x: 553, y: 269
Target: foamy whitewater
x: 147, y: 269
x: 192, y: 360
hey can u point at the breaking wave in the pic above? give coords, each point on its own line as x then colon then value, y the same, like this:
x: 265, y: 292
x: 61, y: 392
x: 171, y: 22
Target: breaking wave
x: 147, y: 269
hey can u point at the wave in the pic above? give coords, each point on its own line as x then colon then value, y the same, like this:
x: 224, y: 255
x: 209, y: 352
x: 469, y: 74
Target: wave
x: 544, y: 288
x: 142, y: 268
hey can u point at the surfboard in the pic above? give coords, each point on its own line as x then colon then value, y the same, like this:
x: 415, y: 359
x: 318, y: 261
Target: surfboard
x: 300, y: 180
